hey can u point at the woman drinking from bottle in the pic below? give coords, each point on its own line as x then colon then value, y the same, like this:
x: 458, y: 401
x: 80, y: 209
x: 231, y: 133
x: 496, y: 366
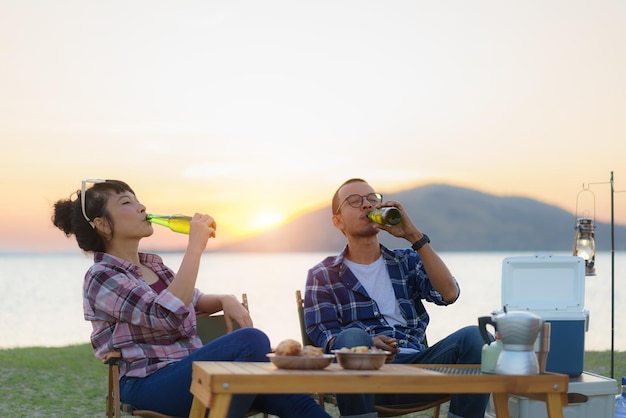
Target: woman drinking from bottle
x: 145, y: 310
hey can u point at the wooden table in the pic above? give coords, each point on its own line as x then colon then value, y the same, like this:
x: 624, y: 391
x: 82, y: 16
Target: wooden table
x: 214, y: 383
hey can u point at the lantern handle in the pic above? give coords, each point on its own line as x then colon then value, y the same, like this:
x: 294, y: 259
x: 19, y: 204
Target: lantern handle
x: 586, y: 190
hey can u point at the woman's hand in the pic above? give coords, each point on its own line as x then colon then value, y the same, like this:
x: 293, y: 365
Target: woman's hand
x: 235, y: 311
x: 201, y: 228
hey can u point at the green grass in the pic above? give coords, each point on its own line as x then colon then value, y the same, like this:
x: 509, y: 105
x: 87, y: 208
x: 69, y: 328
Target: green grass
x: 52, y: 382
x: 71, y: 382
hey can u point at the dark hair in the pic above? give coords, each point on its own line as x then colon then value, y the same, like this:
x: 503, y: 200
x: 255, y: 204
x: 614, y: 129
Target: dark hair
x: 68, y: 214
x: 335, y: 202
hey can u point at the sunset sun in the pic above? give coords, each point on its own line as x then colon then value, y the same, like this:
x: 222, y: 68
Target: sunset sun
x: 265, y: 220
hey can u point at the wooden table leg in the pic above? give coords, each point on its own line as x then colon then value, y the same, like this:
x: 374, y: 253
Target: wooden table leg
x: 197, y: 409
x: 501, y: 404
x: 554, y: 404
x: 219, y: 405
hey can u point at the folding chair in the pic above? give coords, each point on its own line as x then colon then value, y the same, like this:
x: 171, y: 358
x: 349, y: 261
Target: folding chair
x: 210, y: 327
x: 383, y: 410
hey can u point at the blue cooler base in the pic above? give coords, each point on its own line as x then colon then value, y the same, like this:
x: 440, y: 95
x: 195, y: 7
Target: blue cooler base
x: 567, y: 346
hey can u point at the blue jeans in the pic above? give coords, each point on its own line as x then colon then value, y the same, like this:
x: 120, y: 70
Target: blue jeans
x: 167, y: 390
x: 461, y: 347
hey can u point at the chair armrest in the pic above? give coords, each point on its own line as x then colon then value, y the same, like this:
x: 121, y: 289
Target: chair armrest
x: 112, y: 358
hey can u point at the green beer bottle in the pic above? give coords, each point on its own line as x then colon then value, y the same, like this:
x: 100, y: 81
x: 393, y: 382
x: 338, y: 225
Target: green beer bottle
x: 386, y: 216
x: 177, y: 223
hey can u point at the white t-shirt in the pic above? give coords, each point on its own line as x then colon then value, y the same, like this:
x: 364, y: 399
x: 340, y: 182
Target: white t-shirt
x: 375, y: 278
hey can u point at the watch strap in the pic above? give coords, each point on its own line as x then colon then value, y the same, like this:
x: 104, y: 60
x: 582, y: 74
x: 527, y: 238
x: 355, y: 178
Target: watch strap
x: 421, y: 242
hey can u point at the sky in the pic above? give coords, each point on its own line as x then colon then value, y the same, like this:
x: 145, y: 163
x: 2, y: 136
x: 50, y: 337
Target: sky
x: 256, y: 111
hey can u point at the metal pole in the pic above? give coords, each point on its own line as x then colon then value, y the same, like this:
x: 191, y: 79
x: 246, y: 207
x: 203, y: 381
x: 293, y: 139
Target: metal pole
x: 612, y: 280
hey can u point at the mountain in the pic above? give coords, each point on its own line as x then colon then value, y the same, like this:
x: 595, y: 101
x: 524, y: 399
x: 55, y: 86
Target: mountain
x: 455, y: 219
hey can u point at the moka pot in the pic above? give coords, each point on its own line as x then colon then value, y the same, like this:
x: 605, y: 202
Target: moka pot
x: 518, y: 331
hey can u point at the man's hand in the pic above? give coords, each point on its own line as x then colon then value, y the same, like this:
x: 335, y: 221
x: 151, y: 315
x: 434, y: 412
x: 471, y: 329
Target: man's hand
x: 387, y: 343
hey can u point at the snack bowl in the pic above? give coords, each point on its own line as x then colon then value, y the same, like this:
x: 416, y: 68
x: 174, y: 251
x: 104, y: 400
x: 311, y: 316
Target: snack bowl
x: 372, y: 360
x: 301, y: 362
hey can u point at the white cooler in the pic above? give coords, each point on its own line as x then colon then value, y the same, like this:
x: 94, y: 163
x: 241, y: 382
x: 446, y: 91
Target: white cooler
x: 552, y: 287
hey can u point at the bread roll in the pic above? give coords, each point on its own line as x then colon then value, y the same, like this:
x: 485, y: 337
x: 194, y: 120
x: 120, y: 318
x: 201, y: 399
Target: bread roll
x: 289, y: 348
x: 311, y: 351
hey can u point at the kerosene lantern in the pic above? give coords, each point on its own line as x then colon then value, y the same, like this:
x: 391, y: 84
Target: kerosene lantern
x: 584, y: 244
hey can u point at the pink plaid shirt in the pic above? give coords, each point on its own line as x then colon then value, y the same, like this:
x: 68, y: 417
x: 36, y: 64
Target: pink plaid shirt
x: 151, y: 330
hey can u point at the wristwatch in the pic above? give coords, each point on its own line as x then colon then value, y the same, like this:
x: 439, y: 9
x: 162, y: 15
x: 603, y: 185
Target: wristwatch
x: 421, y: 242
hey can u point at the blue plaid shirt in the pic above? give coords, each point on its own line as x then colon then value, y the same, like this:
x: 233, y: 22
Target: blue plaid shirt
x: 335, y: 299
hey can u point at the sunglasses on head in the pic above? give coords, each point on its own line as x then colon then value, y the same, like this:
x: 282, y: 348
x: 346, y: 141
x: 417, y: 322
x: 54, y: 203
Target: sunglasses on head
x: 82, y: 197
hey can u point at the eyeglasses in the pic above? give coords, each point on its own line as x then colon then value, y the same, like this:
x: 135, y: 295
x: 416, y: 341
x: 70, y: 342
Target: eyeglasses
x: 82, y: 197
x: 355, y: 200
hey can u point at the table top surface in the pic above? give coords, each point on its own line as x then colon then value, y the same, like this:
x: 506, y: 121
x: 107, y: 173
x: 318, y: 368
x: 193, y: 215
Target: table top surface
x: 240, y: 377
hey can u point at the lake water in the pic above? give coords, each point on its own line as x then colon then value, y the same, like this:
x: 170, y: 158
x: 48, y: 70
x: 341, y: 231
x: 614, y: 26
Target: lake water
x: 41, y: 301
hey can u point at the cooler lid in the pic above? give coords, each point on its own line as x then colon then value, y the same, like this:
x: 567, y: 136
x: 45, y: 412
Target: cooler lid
x: 543, y: 283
